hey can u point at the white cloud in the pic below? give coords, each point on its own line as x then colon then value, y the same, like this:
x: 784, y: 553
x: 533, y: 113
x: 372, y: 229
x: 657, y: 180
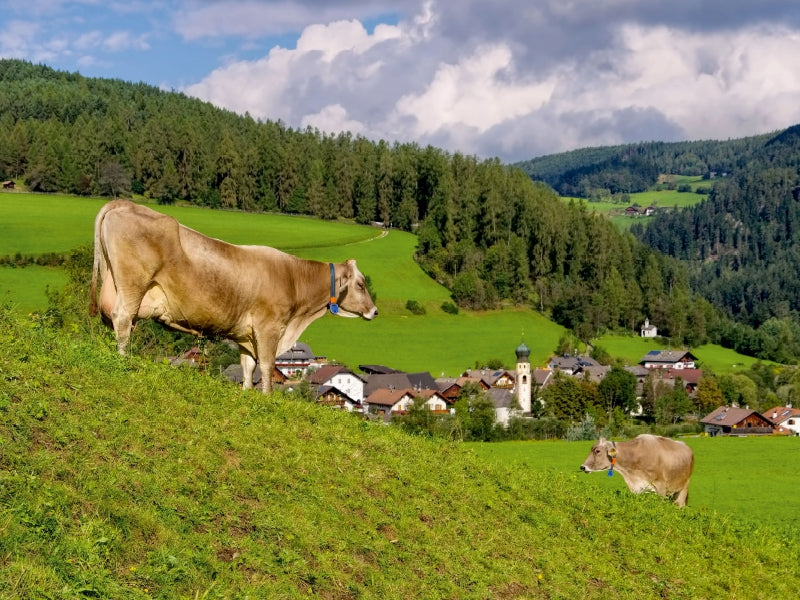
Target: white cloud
x: 276, y: 86
x: 333, y: 119
x: 342, y: 36
x: 123, y: 40
x: 478, y: 92
x: 712, y: 85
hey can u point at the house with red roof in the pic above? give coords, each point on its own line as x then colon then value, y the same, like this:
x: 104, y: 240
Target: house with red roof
x: 341, y: 378
x: 785, y: 419
x: 731, y: 420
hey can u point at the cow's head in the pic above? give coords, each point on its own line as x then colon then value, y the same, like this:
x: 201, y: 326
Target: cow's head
x: 600, y: 456
x: 354, y: 299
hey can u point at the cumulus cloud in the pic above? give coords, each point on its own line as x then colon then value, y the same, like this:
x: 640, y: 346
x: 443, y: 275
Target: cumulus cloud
x: 496, y: 82
x: 503, y: 78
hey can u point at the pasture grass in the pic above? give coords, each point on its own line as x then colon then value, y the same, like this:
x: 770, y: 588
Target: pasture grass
x: 632, y: 349
x: 437, y: 342
x: 121, y: 478
x: 735, y: 477
x: 25, y: 288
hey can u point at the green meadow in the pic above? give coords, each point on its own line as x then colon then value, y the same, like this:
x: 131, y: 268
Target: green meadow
x: 438, y: 342
x: 739, y: 477
x: 656, y: 196
x: 126, y: 478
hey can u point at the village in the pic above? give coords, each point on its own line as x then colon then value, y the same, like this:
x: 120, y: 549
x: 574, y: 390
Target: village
x: 383, y: 393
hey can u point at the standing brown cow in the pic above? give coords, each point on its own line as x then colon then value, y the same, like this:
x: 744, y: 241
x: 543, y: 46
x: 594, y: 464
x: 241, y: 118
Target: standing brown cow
x: 152, y: 267
x: 647, y: 463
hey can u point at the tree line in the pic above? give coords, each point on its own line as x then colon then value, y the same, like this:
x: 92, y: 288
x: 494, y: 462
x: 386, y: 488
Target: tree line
x: 485, y: 230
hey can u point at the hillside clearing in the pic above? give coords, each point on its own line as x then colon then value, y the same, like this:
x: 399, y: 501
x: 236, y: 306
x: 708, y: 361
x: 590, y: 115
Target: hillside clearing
x: 125, y: 479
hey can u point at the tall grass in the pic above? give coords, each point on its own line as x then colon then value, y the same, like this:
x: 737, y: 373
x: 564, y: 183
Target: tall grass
x: 121, y: 478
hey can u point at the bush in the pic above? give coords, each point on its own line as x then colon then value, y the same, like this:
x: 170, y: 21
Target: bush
x: 450, y: 308
x: 584, y: 431
x: 415, y: 308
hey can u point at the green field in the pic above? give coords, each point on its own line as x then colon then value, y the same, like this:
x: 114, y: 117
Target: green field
x: 710, y: 356
x: 25, y: 288
x: 127, y: 478
x: 438, y: 342
x: 741, y: 477
x: 660, y: 198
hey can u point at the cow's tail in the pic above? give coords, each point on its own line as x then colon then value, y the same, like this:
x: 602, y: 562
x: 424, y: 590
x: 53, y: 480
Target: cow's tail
x: 99, y: 260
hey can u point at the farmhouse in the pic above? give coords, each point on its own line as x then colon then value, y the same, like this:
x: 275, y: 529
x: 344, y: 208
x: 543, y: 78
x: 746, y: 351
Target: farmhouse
x: 505, y: 403
x: 498, y: 378
x: 673, y: 359
x: 785, y: 419
x: 572, y: 365
x: 689, y: 377
x: 329, y: 395
x: 341, y: 378
x: 449, y: 388
x: 434, y: 401
x: 298, y: 360
x: 385, y: 402
x: 400, y: 381
x: 730, y: 420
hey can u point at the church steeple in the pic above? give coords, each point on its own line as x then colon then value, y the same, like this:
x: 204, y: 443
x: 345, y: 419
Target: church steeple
x: 523, y: 383
x: 523, y: 352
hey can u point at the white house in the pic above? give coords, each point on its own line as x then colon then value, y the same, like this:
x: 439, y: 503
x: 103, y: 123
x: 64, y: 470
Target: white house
x: 387, y: 402
x: 298, y: 360
x: 341, y: 378
x: 668, y: 359
x: 649, y: 331
x: 785, y: 419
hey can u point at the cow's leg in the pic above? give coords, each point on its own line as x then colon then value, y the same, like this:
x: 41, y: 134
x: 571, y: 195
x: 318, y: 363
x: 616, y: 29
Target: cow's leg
x: 248, y: 369
x: 683, y: 497
x: 122, y: 318
x: 266, y: 349
x: 123, y: 322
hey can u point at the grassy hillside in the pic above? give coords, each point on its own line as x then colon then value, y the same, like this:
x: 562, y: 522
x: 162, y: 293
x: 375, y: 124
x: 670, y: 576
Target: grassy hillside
x: 718, y: 482
x: 437, y: 342
x: 710, y: 356
x: 125, y: 479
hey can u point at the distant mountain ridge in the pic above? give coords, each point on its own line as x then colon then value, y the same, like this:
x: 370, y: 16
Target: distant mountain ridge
x: 632, y: 168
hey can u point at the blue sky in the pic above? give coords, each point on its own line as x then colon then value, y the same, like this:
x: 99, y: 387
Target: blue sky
x: 513, y: 79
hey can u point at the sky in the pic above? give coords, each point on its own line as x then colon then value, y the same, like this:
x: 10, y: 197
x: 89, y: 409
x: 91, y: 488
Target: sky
x: 512, y: 79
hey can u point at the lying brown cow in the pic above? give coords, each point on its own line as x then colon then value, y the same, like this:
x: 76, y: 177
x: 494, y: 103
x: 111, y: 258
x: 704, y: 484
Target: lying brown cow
x: 647, y: 463
x: 152, y: 267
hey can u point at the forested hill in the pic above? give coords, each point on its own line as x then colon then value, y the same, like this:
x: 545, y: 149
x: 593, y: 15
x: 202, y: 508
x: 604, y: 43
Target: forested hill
x: 743, y: 242
x: 631, y: 168
x: 485, y: 230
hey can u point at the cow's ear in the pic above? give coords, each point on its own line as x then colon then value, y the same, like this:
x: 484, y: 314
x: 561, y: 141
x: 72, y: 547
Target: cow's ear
x: 348, y: 271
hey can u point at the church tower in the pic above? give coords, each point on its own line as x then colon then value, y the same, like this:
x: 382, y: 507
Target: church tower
x: 524, y: 383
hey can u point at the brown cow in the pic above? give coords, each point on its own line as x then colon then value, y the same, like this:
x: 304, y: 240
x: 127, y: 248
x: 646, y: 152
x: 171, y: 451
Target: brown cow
x: 647, y: 463
x: 152, y: 267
